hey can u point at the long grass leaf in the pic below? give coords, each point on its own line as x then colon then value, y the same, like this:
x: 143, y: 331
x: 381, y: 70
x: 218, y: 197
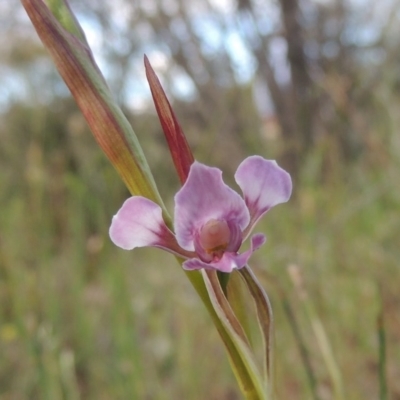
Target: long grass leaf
x: 383, y: 390
x: 319, y: 332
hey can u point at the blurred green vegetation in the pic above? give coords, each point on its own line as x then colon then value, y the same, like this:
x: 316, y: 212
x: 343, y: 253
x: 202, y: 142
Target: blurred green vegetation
x: 82, y: 319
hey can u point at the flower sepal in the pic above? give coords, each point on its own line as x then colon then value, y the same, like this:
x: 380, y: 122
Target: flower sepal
x: 211, y: 220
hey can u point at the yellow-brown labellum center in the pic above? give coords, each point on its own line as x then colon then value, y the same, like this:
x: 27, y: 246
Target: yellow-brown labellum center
x: 215, y: 236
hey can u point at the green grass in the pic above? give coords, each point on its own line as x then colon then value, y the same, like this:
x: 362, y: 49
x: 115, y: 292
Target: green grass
x: 82, y: 319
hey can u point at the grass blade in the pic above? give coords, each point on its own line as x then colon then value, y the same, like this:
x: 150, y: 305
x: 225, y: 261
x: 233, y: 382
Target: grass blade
x: 383, y: 391
x: 319, y: 332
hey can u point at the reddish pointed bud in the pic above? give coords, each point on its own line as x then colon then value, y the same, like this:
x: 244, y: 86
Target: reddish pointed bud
x: 178, y: 145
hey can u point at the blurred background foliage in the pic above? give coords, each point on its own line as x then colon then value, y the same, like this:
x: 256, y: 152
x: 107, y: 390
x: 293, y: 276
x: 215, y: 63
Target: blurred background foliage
x: 313, y: 84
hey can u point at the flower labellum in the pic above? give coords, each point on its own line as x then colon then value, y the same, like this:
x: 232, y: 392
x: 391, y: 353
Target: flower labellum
x: 211, y: 220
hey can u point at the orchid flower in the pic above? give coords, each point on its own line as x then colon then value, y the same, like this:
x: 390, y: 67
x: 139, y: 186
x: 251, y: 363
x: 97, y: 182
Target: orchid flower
x: 211, y: 219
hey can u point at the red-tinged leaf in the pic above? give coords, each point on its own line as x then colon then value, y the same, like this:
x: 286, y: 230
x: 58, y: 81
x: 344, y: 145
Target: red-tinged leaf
x: 178, y: 145
x: 265, y: 319
x: 63, y: 13
x: 76, y: 65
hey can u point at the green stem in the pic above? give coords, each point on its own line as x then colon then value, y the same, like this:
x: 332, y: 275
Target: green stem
x: 304, y: 354
x: 383, y: 391
x: 319, y: 332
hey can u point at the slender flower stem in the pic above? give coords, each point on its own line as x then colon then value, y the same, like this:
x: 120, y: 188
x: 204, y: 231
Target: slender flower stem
x: 304, y: 353
x: 320, y: 333
x: 383, y: 391
x: 299, y: 339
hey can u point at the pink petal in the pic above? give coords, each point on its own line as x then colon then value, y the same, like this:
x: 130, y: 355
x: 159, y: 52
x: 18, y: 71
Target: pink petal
x: 205, y: 196
x: 139, y: 223
x: 264, y: 185
x: 196, y: 263
x: 233, y: 245
x: 229, y: 261
x: 225, y: 264
x: 257, y: 241
x: 236, y: 237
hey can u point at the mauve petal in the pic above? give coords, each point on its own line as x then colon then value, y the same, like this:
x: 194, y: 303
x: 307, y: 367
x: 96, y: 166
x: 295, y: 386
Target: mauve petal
x: 229, y: 261
x: 198, y: 248
x: 194, y: 264
x: 236, y: 237
x: 225, y: 264
x: 264, y: 185
x: 139, y: 223
x: 257, y: 241
x: 205, y: 196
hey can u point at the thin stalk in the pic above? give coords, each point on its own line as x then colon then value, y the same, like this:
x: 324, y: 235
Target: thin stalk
x: 304, y: 353
x: 383, y: 390
x: 320, y: 334
x: 299, y: 339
